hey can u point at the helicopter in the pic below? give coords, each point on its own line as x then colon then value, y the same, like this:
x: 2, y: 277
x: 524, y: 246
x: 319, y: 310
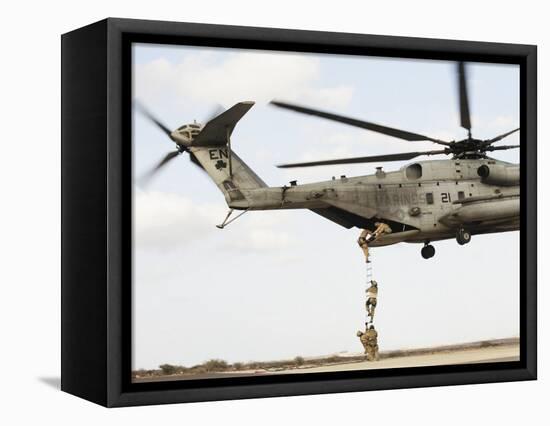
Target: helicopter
x: 422, y: 202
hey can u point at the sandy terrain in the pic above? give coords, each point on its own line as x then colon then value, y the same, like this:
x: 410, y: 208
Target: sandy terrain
x: 497, y: 351
x: 465, y: 356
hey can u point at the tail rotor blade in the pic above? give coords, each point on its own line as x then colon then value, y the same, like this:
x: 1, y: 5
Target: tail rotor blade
x: 196, y: 162
x: 154, y: 119
x: 463, y: 99
x: 166, y: 159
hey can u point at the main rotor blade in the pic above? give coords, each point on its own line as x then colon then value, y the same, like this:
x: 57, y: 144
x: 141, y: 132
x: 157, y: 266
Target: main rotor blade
x: 396, y: 133
x: 371, y: 159
x: 154, y: 119
x: 167, y: 158
x: 463, y: 99
x: 496, y: 139
x: 501, y: 148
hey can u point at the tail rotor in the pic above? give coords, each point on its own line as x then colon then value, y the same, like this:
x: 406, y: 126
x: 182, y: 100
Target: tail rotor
x: 182, y: 137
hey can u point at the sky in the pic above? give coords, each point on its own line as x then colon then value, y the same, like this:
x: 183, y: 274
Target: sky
x: 275, y: 285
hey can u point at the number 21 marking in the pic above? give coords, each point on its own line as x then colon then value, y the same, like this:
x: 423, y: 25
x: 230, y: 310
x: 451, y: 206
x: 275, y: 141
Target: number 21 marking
x: 445, y: 197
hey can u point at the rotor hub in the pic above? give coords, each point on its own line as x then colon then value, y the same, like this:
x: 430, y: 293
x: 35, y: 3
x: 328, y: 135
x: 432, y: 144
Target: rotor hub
x: 468, y: 149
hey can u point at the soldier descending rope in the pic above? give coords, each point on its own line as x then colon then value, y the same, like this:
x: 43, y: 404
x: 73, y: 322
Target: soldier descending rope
x: 363, y: 243
x: 367, y: 236
x: 369, y: 340
x: 372, y: 296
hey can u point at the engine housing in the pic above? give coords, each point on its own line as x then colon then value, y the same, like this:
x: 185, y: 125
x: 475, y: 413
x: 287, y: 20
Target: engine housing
x: 499, y: 174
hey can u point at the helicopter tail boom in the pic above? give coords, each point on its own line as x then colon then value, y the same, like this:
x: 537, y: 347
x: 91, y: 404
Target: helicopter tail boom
x: 228, y: 171
x: 211, y: 151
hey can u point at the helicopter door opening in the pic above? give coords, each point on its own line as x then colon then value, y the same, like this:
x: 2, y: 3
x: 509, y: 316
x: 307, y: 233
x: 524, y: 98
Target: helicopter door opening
x: 396, y: 227
x: 348, y: 220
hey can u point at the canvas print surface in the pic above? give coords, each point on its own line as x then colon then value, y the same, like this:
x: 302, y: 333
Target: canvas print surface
x: 297, y: 213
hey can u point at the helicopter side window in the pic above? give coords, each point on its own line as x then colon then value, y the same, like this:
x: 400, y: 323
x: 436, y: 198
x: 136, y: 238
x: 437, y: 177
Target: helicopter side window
x: 430, y: 197
x: 461, y: 195
x: 414, y: 171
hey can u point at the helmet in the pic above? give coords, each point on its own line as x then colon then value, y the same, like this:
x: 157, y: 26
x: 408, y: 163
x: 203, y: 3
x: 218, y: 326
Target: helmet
x: 359, y: 333
x: 374, y: 283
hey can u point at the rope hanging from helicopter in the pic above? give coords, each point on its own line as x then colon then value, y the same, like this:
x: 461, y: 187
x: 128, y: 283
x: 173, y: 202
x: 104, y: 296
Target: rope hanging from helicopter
x: 368, y: 284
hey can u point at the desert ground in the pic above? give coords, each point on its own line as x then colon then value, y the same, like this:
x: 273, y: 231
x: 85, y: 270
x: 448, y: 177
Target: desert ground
x: 501, y: 353
x: 502, y: 350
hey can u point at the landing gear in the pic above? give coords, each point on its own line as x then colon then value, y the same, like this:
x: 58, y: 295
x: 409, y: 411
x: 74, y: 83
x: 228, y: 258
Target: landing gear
x: 428, y: 251
x: 227, y: 221
x: 463, y: 236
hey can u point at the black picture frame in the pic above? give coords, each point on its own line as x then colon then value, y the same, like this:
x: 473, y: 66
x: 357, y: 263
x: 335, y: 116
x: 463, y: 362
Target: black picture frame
x: 96, y: 209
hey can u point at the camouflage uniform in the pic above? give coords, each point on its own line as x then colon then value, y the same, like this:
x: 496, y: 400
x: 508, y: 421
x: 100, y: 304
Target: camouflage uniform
x: 363, y: 338
x: 372, y: 296
x: 367, y: 236
x: 363, y: 240
x: 369, y: 340
x: 381, y: 228
x: 372, y: 344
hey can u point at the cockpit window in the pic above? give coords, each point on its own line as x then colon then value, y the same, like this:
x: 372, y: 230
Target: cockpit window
x: 414, y: 171
x: 194, y: 126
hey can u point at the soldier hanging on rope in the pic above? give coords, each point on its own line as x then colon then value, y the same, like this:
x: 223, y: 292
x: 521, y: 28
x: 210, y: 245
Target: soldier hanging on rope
x: 363, y: 337
x: 369, y: 340
x: 362, y: 241
x: 372, y: 296
x: 367, y: 236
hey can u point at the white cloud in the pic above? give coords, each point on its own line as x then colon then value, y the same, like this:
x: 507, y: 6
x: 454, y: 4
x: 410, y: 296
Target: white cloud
x: 168, y: 221
x: 262, y: 232
x: 164, y: 221
x: 260, y: 77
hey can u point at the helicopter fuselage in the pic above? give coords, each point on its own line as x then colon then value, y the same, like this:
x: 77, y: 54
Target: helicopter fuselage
x: 423, y: 201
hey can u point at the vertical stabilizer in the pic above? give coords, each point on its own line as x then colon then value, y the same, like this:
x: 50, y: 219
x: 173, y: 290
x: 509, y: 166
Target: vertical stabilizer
x: 212, y: 151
